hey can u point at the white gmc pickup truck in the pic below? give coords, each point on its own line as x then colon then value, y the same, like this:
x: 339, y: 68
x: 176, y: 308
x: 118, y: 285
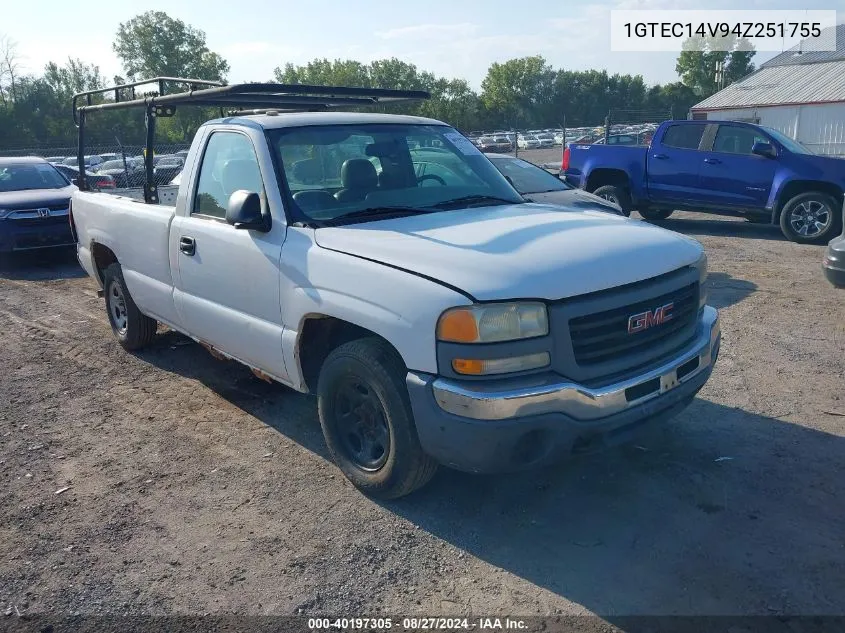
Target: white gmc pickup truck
x: 383, y: 263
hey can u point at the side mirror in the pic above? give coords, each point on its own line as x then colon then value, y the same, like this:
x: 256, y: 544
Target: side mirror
x: 244, y: 212
x: 766, y: 150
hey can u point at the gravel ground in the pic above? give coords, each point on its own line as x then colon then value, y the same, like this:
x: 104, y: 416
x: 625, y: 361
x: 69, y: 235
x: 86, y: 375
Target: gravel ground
x: 167, y: 482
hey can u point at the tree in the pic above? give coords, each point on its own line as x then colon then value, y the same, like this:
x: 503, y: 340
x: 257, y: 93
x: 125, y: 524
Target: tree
x: 519, y: 89
x: 154, y: 44
x: 8, y: 69
x: 323, y: 72
x: 697, y: 63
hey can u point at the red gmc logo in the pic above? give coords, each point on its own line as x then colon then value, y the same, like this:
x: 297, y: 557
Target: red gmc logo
x: 645, y: 320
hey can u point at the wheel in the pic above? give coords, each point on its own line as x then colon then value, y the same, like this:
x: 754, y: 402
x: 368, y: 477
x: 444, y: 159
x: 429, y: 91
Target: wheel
x: 132, y: 329
x: 366, y: 419
x: 655, y: 215
x: 810, y: 218
x: 617, y: 195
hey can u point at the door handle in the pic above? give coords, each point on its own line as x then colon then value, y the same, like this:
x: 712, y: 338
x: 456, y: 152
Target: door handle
x: 712, y: 161
x: 188, y: 245
x: 659, y: 156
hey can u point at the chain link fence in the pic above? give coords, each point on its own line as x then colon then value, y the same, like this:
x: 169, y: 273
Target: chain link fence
x: 114, y: 166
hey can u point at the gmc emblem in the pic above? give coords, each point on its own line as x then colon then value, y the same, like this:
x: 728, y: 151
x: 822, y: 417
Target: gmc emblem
x: 644, y: 320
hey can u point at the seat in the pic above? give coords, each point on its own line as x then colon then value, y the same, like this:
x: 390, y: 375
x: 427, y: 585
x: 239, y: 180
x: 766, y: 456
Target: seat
x: 314, y: 200
x: 307, y: 171
x: 358, y: 177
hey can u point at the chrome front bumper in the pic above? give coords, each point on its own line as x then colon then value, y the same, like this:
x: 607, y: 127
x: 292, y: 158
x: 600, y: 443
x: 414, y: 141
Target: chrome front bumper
x: 490, y: 401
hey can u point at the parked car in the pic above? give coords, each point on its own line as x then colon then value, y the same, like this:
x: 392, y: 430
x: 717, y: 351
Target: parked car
x: 834, y: 257
x: 723, y: 167
x: 34, y: 199
x: 503, y: 143
x: 494, y: 144
x: 128, y: 174
x: 109, y: 156
x: 167, y: 166
x: 95, y: 180
x: 527, y: 141
x: 91, y: 162
x: 55, y: 160
x: 546, y: 140
x: 538, y: 185
x: 642, y: 138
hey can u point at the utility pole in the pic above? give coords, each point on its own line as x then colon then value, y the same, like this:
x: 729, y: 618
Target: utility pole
x: 720, y: 75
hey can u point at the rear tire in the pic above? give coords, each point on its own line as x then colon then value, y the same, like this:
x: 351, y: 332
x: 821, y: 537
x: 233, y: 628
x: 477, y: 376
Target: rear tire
x: 132, y: 329
x: 810, y: 218
x: 617, y: 195
x: 655, y: 215
x: 367, y: 422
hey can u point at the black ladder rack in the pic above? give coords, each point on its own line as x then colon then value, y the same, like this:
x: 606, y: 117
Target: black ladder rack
x: 259, y: 96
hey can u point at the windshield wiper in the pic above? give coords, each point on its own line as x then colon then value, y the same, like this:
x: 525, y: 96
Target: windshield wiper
x: 468, y: 200
x: 375, y: 212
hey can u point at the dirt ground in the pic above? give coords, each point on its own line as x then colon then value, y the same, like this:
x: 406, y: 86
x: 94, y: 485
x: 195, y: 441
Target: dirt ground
x: 167, y: 482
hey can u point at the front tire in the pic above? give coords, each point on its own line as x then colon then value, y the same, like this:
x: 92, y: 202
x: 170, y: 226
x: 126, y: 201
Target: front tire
x: 655, y: 215
x: 132, y: 329
x: 617, y: 195
x: 810, y: 218
x: 367, y: 422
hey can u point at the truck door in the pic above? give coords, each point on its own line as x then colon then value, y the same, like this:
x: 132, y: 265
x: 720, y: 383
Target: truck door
x: 673, y: 164
x: 228, y: 286
x: 731, y: 174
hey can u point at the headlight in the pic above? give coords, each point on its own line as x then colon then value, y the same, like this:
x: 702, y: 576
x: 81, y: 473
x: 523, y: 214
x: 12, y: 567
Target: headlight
x: 493, y: 322
x: 701, y: 265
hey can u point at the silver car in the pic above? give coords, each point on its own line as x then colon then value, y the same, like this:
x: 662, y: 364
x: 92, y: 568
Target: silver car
x: 537, y: 185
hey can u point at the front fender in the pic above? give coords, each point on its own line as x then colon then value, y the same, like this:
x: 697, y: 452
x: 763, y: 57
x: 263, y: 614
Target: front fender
x: 399, y: 306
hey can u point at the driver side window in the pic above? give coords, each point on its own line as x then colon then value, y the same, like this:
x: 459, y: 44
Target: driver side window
x: 228, y: 165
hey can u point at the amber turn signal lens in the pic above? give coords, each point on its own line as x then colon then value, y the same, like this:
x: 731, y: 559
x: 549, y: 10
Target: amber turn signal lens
x: 458, y: 326
x: 469, y: 367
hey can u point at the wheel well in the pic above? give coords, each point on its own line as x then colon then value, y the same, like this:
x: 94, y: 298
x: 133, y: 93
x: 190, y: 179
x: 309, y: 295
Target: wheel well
x: 601, y: 177
x: 103, y: 258
x: 321, y: 335
x: 797, y: 187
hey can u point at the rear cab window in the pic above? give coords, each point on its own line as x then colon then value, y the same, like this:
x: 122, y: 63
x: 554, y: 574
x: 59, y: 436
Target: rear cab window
x: 683, y: 136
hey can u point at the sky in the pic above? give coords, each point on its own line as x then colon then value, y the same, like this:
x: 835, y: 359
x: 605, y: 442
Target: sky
x: 451, y: 38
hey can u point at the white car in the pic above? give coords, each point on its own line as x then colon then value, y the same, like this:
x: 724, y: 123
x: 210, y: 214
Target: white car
x: 438, y: 316
x: 527, y: 142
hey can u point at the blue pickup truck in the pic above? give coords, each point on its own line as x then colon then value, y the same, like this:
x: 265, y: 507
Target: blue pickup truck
x: 724, y: 167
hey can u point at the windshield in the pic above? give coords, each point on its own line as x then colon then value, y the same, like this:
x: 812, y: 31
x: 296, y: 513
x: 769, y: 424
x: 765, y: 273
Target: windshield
x: 528, y: 178
x: 790, y: 144
x: 30, y: 176
x: 335, y: 171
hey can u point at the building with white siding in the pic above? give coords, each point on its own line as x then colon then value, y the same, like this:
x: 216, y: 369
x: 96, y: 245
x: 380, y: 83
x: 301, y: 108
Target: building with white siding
x: 801, y: 94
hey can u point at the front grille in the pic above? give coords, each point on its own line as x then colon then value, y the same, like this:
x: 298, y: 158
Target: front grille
x: 603, y: 336
x: 30, y: 217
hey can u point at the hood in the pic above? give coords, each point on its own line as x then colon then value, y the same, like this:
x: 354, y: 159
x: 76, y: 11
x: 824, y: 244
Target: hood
x: 575, y: 200
x: 34, y: 198
x: 829, y: 166
x: 518, y: 251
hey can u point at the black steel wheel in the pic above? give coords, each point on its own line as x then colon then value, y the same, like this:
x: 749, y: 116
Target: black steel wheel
x: 366, y: 417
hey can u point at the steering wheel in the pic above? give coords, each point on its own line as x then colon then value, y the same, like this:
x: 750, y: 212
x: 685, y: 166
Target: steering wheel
x: 425, y: 177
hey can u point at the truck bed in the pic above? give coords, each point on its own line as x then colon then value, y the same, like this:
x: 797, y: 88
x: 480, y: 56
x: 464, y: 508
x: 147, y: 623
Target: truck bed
x: 140, y: 232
